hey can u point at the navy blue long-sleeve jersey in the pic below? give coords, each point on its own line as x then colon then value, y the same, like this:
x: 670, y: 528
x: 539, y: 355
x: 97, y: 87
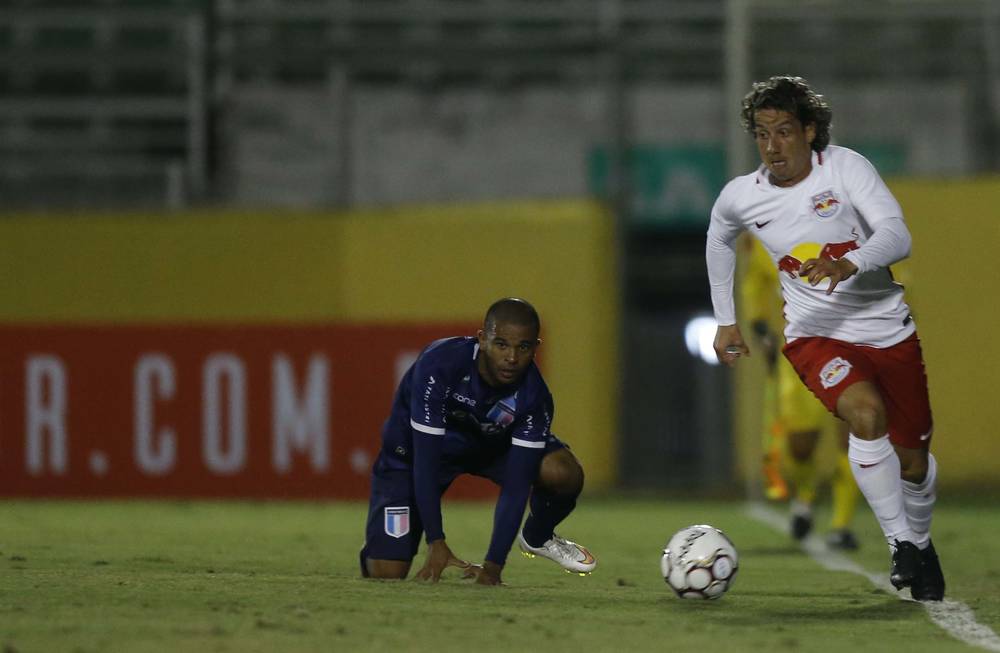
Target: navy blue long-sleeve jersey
x: 446, y: 420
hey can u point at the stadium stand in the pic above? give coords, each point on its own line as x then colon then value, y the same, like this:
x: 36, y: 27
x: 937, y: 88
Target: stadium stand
x: 100, y: 102
x: 99, y: 92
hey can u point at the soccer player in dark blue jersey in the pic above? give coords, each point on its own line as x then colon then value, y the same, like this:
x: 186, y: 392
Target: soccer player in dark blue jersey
x: 473, y: 406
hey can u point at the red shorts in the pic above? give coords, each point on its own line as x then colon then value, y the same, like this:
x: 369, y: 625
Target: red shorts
x: 828, y: 367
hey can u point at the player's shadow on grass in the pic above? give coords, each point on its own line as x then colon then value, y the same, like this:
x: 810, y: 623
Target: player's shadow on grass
x: 876, y: 608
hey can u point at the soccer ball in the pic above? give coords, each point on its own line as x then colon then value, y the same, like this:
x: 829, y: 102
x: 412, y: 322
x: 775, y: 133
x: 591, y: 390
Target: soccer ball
x: 700, y: 562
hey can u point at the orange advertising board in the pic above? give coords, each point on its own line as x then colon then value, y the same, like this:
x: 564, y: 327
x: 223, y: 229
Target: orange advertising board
x: 274, y: 411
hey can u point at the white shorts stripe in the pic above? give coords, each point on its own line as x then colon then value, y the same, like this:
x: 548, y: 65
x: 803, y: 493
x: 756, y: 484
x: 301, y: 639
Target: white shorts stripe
x: 430, y: 430
x: 527, y: 443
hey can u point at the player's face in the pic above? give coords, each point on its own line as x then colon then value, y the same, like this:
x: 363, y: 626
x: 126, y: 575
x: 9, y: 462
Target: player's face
x: 505, y: 351
x: 784, y: 145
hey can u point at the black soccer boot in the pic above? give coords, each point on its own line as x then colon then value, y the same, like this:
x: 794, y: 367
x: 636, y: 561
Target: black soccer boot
x: 801, y: 526
x: 842, y: 539
x: 929, y: 584
x: 802, y: 520
x: 905, y: 564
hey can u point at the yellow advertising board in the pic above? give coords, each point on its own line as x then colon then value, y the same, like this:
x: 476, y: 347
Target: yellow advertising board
x: 425, y: 267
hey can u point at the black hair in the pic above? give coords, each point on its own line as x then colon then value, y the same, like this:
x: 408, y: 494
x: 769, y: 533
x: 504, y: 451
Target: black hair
x: 511, y: 310
x: 793, y: 95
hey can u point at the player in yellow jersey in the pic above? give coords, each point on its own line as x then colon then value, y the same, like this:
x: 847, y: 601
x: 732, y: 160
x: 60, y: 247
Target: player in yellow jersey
x: 793, y: 418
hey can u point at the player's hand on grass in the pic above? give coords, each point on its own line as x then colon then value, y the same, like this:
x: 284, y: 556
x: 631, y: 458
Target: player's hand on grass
x: 817, y: 269
x: 439, y: 556
x: 488, y: 573
x: 729, y: 344
x: 472, y: 571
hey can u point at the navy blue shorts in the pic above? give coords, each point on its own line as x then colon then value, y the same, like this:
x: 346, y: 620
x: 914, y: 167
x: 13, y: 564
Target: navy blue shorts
x: 394, y: 527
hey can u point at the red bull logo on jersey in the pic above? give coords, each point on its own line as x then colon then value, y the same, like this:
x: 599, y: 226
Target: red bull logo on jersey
x: 789, y: 264
x: 397, y: 520
x: 825, y: 204
x: 835, y: 371
x: 834, y: 251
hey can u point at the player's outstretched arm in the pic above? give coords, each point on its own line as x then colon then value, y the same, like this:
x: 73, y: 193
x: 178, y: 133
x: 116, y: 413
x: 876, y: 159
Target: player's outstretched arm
x: 439, y: 556
x: 729, y: 344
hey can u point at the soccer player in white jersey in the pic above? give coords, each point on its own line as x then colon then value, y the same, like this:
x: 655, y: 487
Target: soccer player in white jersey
x: 832, y: 228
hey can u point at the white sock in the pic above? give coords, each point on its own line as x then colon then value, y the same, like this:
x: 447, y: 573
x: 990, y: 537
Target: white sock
x: 876, y: 469
x: 918, y: 501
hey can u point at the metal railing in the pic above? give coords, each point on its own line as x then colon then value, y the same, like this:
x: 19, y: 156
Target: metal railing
x: 115, y: 90
x: 100, y: 98
x: 676, y: 40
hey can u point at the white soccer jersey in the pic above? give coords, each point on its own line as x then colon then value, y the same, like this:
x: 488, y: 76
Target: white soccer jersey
x: 831, y: 212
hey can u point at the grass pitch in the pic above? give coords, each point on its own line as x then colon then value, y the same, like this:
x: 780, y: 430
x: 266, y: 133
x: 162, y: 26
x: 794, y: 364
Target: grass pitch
x: 273, y: 576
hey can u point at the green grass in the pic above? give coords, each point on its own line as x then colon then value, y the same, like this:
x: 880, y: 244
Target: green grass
x: 213, y: 576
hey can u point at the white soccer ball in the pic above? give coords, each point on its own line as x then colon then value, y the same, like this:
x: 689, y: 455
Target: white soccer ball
x: 700, y: 562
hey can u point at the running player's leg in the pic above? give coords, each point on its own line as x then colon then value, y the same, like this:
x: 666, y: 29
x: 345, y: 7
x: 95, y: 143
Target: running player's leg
x: 904, y: 387
x: 919, y: 499
x: 843, y: 377
x: 877, y: 469
x: 904, y: 383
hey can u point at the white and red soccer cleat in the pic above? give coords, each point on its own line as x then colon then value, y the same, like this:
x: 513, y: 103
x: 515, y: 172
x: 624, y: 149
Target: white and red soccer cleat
x: 571, y: 556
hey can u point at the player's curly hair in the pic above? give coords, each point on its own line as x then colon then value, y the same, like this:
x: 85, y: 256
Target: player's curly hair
x: 791, y: 94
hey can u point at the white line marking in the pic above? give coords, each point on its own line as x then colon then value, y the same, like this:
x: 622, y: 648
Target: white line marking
x: 954, y: 617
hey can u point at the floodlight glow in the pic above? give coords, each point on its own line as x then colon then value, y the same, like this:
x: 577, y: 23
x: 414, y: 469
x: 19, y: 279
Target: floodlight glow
x: 699, y: 336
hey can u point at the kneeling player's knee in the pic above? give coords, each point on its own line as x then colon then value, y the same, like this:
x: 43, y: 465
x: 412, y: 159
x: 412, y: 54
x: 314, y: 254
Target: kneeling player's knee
x: 561, y: 475
x: 574, y: 479
x: 387, y: 569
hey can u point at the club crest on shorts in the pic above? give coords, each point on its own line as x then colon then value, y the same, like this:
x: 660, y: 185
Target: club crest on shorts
x: 397, y: 521
x: 825, y: 204
x: 834, y: 372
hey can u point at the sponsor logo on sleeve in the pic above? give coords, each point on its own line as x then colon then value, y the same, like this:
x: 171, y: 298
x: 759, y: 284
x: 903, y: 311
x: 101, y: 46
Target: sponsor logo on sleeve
x: 397, y: 520
x: 428, y: 390
x: 835, y: 371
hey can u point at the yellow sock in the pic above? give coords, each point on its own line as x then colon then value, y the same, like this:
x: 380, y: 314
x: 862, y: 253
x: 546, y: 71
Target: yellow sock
x: 802, y: 474
x: 845, y: 494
